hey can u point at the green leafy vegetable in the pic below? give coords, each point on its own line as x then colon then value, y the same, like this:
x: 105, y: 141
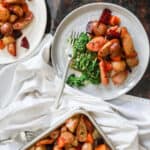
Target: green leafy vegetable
x: 73, y: 80
x: 84, y: 61
x: 79, y: 45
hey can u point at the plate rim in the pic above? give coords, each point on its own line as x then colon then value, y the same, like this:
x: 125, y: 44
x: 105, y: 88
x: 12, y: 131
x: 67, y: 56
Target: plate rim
x: 32, y: 50
x: 116, y: 6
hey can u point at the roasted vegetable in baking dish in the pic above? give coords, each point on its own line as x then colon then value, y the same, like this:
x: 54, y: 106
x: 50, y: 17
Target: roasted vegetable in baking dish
x: 77, y: 133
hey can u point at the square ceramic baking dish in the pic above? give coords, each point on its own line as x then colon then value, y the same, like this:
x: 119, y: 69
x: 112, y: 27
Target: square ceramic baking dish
x: 62, y: 121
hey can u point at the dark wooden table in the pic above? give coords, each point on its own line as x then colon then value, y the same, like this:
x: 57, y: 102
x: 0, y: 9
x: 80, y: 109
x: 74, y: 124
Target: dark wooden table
x: 58, y: 9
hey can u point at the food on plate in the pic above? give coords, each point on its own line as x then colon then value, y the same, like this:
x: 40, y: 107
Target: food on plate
x: 79, y: 134
x: 106, y: 51
x: 15, y: 15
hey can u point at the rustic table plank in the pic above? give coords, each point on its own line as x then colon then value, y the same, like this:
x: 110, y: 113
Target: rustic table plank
x: 60, y: 8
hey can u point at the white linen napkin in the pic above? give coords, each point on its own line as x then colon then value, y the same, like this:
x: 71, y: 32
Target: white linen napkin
x: 27, y: 93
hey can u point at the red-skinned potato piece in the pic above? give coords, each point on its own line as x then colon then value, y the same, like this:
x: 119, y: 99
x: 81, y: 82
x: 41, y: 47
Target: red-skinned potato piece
x: 90, y: 26
x: 95, y: 28
x: 127, y: 43
x: 6, y: 29
x: 99, y: 29
x: 96, y: 43
x: 119, y: 78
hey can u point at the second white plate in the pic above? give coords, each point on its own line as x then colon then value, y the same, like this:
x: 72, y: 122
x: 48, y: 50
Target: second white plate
x: 34, y: 33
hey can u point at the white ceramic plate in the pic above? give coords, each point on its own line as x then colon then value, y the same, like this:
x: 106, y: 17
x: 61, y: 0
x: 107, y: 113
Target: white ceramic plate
x: 34, y: 33
x: 77, y: 21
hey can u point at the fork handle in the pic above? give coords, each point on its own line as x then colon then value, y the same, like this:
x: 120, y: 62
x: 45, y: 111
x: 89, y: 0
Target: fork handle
x: 60, y: 92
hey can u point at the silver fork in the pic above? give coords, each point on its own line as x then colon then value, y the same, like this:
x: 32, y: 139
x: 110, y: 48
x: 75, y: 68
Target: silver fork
x: 24, y: 136
x: 21, y: 136
x: 68, y: 50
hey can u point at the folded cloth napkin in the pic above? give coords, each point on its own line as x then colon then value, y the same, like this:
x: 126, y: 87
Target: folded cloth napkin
x: 28, y: 92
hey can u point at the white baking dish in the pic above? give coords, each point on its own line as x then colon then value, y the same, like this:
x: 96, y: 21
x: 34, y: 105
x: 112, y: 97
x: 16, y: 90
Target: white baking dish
x: 62, y: 121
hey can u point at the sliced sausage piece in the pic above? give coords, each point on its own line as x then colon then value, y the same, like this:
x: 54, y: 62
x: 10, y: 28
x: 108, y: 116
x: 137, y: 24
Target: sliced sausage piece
x: 127, y: 43
x: 109, y: 47
x: 96, y: 43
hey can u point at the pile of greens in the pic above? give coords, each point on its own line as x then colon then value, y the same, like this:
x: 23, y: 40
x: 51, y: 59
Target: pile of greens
x: 84, y: 61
